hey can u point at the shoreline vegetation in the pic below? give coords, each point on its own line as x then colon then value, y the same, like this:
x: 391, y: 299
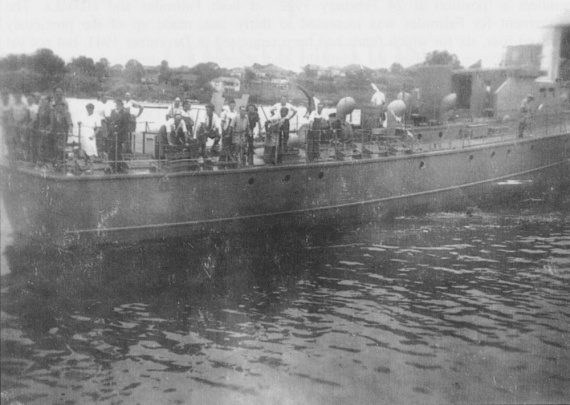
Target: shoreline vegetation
x: 43, y: 71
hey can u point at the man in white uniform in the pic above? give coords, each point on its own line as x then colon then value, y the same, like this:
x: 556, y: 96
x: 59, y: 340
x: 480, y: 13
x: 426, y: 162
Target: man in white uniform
x: 279, y: 114
x: 176, y: 108
x: 90, y: 126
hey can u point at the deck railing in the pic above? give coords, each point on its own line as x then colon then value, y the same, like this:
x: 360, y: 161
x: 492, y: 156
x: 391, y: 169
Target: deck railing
x: 22, y: 142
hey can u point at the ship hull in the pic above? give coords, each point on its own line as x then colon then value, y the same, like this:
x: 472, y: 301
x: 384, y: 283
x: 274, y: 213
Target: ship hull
x: 125, y: 208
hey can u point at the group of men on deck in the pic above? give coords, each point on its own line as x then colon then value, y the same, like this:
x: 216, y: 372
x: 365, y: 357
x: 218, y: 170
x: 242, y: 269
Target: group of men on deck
x: 33, y: 124
x: 38, y: 127
x: 233, y: 131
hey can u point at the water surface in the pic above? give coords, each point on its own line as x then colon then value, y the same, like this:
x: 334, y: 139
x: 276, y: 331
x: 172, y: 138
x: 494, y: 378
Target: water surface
x: 440, y: 308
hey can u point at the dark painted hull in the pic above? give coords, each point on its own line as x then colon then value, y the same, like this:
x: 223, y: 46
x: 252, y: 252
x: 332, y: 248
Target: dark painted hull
x: 119, y: 208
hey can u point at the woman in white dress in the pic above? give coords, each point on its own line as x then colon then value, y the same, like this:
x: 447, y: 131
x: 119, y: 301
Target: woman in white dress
x: 90, y: 126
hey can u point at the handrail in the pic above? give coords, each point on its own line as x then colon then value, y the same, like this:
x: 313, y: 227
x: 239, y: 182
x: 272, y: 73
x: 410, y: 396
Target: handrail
x: 456, y: 135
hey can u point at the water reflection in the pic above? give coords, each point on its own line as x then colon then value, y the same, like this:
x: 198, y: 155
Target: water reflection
x: 435, y: 309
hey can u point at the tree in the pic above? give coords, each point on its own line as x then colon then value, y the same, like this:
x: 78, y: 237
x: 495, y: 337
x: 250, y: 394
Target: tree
x: 134, y: 71
x: 40, y: 71
x: 49, y: 66
x: 165, y: 73
x: 81, y: 84
x: 206, y: 72
x: 249, y: 76
x: 396, y: 68
x: 46, y: 63
x: 442, y: 58
x: 102, y: 69
x: 83, y: 66
x: 22, y: 80
x: 310, y: 71
x: 13, y: 62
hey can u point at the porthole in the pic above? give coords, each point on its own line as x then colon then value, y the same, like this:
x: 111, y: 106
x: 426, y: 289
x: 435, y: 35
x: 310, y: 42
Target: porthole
x: 251, y: 181
x: 422, y: 165
x: 321, y: 175
x: 493, y: 154
x: 286, y: 178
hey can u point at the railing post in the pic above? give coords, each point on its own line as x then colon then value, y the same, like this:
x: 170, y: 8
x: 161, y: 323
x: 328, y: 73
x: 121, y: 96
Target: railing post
x: 319, y: 145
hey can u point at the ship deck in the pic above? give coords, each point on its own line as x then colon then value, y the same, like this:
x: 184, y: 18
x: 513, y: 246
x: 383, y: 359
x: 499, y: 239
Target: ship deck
x: 383, y: 147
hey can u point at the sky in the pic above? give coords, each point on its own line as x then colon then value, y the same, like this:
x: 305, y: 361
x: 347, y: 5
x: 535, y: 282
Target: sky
x: 290, y: 34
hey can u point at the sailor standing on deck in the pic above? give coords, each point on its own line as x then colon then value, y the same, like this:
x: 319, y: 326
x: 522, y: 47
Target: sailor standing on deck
x: 90, y: 126
x: 103, y: 110
x: 42, y: 127
x: 129, y: 105
x: 526, y: 113
x: 59, y: 128
x: 209, y: 128
x: 33, y: 136
x: 238, y: 146
x: 276, y: 109
x: 119, y: 131
x: 316, y: 117
x: 185, y: 114
x: 277, y: 114
x: 229, y: 117
x: 20, y: 120
x: 176, y: 131
x: 58, y: 98
x: 378, y: 98
x: 174, y: 109
x: 254, y: 121
x: 275, y: 139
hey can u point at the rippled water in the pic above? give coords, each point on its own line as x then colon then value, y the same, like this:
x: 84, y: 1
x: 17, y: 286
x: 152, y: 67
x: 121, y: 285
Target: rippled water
x: 442, y: 308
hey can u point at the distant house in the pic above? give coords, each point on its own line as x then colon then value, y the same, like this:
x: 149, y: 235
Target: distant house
x: 226, y: 83
x: 150, y: 79
x: 151, y: 74
x: 258, y: 73
x: 183, y: 76
x: 237, y: 72
x: 269, y: 71
x: 329, y: 72
x: 280, y: 84
x: 353, y: 68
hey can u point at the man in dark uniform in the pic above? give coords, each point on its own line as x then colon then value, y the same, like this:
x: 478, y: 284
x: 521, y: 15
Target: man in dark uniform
x: 119, y: 133
x: 42, y: 127
x: 59, y: 128
x: 253, y: 122
x: 526, y: 114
